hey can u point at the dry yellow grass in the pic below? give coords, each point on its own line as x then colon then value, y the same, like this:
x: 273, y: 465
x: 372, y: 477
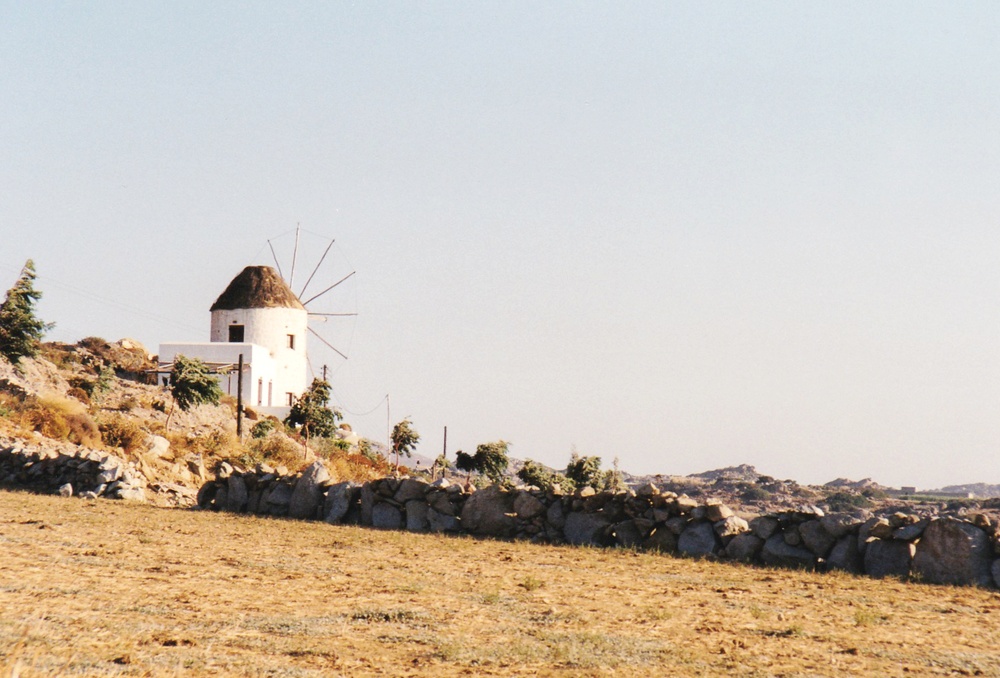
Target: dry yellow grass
x: 104, y: 588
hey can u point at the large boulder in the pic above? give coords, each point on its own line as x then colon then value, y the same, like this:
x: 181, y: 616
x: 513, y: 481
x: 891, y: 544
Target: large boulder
x: 699, y: 539
x: 586, y: 528
x: 386, y: 517
x: 237, y: 496
x: 888, y: 558
x: 410, y: 489
x: 627, y: 534
x: 954, y: 552
x: 846, y: 555
x: 442, y: 522
x: 490, y: 513
x: 764, y: 526
x: 308, y: 490
x: 816, y: 538
x: 339, y: 499
x: 527, y: 506
x: 416, y: 515
x: 778, y: 552
x: 744, y: 547
x: 662, y: 540
x: 839, y: 524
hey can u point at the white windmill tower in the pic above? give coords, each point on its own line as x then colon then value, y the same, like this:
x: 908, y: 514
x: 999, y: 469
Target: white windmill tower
x: 259, y: 319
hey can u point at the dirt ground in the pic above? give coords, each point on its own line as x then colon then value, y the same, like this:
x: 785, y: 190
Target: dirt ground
x: 105, y: 588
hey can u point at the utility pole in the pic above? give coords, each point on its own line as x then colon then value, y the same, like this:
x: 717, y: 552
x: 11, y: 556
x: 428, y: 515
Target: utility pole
x: 324, y: 372
x: 239, y: 400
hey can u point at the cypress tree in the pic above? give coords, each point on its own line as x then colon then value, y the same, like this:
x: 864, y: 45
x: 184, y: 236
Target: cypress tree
x: 20, y: 329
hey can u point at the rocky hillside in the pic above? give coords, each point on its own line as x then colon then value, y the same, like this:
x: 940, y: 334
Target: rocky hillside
x: 96, y: 398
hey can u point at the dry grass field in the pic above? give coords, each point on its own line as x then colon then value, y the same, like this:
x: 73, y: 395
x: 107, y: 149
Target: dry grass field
x: 105, y: 588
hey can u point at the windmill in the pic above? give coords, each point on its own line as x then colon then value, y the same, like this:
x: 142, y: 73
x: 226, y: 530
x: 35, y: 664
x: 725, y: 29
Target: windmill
x: 328, y: 292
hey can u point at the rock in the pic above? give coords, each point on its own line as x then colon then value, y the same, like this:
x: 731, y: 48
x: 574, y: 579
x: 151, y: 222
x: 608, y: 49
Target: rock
x: 586, y: 528
x: 206, y: 494
x: 715, y: 511
x: 555, y: 516
x: 416, y: 516
x: 662, y: 540
x: 730, y: 527
x: 912, y: 531
x: 888, y: 557
x: 442, y: 522
x: 685, y: 504
x: 627, y: 534
x: 699, y: 539
x: 224, y: 470
x: 367, y: 503
x: 236, y: 495
x: 846, y: 555
x: 839, y: 524
x: 791, y: 535
x: 816, y: 538
x: 490, y: 513
x: 881, y: 529
x: 197, y: 467
x: 777, y: 552
x: 386, y: 517
x: 280, y: 495
x: 648, y: 490
x: 585, y: 492
x: 339, y: 499
x: 744, y: 547
x: 136, y: 494
x: 410, y: 489
x: 526, y: 506
x: 308, y: 490
x: 158, y: 446
x: 677, y: 525
x: 954, y: 552
x: 88, y: 495
x: 764, y: 526
x: 66, y: 490
x: 995, y: 569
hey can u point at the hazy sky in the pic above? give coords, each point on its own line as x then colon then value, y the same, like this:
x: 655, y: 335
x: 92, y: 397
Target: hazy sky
x: 685, y: 234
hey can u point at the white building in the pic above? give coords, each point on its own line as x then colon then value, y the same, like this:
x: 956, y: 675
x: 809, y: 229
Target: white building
x: 259, y: 317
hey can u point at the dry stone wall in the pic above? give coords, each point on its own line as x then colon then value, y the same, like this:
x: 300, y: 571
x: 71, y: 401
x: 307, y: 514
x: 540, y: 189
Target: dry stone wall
x: 69, y: 470
x: 946, y: 549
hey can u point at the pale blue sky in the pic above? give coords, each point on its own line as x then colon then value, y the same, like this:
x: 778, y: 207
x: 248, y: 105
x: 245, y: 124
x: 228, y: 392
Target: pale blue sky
x: 685, y: 234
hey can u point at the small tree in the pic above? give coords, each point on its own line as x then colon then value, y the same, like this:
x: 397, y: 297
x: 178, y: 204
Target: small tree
x: 20, y: 330
x: 404, y: 440
x: 311, y: 413
x: 465, y: 462
x: 585, y: 471
x: 533, y: 473
x: 192, y: 383
x: 491, y: 459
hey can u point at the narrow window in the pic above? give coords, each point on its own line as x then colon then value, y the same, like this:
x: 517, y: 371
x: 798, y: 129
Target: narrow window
x: 270, y: 392
x: 260, y: 391
x: 291, y: 341
x: 236, y: 334
x: 291, y: 399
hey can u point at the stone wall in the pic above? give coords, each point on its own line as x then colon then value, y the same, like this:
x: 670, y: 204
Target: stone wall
x: 68, y: 469
x: 947, y: 549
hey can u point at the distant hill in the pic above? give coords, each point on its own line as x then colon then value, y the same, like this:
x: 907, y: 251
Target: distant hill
x: 978, y: 490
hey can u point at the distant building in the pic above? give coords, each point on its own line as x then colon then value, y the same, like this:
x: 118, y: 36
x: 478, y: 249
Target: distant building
x: 259, y: 317
x: 906, y: 489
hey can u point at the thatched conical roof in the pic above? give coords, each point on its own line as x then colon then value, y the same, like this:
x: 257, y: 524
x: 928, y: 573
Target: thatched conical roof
x: 257, y: 287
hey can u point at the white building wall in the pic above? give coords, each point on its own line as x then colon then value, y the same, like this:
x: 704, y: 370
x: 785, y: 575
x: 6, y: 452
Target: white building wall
x: 260, y: 380
x: 272, y: 329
